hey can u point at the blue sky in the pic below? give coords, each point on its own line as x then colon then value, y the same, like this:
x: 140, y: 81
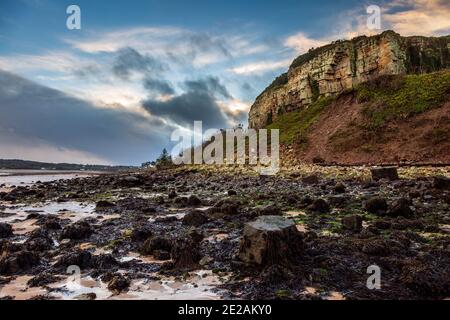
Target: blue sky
x: 114, y: 91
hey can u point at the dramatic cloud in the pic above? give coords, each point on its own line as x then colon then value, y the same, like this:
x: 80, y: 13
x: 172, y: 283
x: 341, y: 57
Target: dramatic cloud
x: 198, y: 103
x: 129, y: 60
x: 31, y: 112
x: 209, y: 85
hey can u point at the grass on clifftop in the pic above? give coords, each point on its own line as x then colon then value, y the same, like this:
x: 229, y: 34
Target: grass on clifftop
x: 294, y: 126
x: 399, y: 97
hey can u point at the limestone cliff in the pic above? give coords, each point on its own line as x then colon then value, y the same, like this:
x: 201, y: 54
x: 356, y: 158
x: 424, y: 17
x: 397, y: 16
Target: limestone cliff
x: 341, y: 65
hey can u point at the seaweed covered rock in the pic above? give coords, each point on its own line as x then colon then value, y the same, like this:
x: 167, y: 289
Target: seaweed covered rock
x: 77, y: 231
x: 376, y: 205
x: 18, y: 262
x: 5, y: 230
x: 186, y: 251
x: 195, y: 218
x: 271, y: 240
x: 156, y: 243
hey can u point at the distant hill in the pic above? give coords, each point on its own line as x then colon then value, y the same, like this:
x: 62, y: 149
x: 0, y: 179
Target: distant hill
x: 35, y: 165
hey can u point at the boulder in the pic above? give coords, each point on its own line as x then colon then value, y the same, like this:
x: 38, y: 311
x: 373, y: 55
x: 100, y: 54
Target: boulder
x: 271, y: 240
x: 320, y: 205
x: 156, y: 243
x: 389, y: 173
x: 195, y: 218
x: 77, y: 231
x: 311, y: 179
x: 6, y: 230
x: 353, y: 222
x: 400, y: 208
x: 376, y: 205
x: 441, y: 182
x: 193, y: 200
x: 118, y: 283
x: 186, y: 251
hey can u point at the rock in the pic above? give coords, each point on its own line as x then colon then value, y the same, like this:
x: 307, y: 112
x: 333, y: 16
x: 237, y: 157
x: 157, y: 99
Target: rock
x: 400, y: 208
x: 195, y: 218
x: 186, y: 251
x: 270, y: 240
x: 141, y: 233
x: 77, y: 231
x: 339, y: 188
x: 389, y: 173
x: 161, y: 255
x: 193, y: 200
x: 86, y: 296
x: 52, y: 223
x: 320, y: 205
x: 18, y: 262
x: 39, y: 240
x: 118, y: 283
x: 6, y: 230
x: 311, y: 179
x: 156, y: 243
x: 172, y: 194
x: 425, y: 280
x: 376, y: 205
x: 353, y: 222
x: 318, y: 160
x: 376, y: 248
x: 441, y: 182
x: 205, y: 261
x: 102, y: 205
x: 80, y: 258
x: 269, y: 210
x: 42, y: 279
x: 104, y: 262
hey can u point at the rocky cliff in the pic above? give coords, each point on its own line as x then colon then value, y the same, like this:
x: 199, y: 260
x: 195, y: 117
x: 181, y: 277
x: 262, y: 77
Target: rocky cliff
x: 342, y: 65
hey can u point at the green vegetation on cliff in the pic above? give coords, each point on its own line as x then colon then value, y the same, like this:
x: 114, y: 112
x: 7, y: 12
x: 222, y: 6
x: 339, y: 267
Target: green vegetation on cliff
x: 398, y: 97
x: 294, y: 126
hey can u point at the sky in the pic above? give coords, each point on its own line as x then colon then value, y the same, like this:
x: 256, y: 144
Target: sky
x: 113, y: 91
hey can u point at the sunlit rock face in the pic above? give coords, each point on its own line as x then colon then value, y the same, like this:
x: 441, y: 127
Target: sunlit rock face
x: 341, y: 65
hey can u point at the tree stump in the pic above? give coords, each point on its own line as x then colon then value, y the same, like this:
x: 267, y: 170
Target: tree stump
x: 389, y: 173
x: 271, y: 240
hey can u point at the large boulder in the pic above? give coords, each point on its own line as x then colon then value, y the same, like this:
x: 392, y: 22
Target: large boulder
x: 271, y: 240
x: 376, y: 205
x: 195, y: 218
x: 6, y: 230
x: 389, y: 173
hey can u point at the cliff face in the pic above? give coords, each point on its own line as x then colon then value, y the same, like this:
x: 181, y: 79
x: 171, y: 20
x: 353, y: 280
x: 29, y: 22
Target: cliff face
x: 342, y: 65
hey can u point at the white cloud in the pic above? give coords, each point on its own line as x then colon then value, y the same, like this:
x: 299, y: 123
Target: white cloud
x: 302, y: 43
x: 260, y: 67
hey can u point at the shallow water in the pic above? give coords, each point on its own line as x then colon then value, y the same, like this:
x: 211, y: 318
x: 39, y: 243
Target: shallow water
x: 29, y: 177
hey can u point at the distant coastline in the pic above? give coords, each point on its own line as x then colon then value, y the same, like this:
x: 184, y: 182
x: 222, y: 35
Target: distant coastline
x: 15, y: 164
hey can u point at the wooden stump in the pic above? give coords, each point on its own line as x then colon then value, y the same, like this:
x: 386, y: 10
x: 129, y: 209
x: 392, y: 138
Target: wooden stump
x: 271, y: 240
x: 389, y: 173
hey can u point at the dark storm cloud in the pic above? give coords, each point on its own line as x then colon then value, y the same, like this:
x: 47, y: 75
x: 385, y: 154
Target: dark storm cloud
x: 189, y: 107
x: 31, y: 110
x: 209, y: 85
x: 130, y: 60
x: 198, y: 103
x: 158, y: 86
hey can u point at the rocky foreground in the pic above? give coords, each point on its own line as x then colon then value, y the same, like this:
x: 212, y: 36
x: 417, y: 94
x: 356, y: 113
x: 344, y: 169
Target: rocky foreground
x: 308, y: 233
